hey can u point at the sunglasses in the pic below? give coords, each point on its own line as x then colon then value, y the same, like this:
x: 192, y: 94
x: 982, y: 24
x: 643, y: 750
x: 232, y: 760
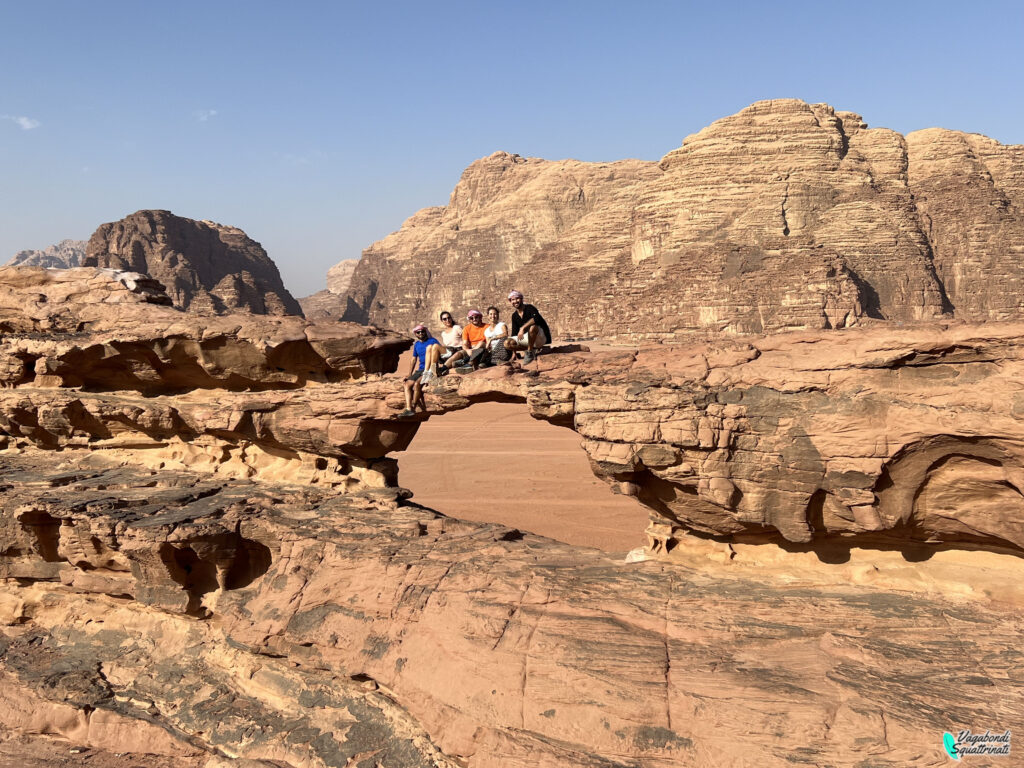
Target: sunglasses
x: 446, y: 318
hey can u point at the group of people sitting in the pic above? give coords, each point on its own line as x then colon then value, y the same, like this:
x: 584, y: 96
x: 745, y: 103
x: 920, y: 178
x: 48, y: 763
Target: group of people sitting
x: 475, y: 345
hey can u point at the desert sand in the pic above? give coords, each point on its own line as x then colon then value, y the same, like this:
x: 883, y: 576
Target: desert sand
x: 493, y: 463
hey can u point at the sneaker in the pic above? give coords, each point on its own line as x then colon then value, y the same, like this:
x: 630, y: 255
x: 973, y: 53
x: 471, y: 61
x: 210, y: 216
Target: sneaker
x: 427, y: 377
x: 528, y: 357
x: 407, y: 413
x: 444, y: 370
x: 464, y: 369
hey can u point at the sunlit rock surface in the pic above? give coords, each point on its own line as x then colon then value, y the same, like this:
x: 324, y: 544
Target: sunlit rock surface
x: 204, y: 266
x: 226, y: 566
x: 784, y: 216
x: 63, y: 255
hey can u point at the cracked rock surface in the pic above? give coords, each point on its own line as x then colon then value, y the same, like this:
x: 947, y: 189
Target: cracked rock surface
x: 224, y: 570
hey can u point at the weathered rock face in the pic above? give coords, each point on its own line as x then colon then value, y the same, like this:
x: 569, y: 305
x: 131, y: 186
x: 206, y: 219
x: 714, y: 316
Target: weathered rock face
x: 219, y: 571
x: 63, y: 255
x: 101, y: 329
x: 882, y: 435
x: 205, y: 267
x: 340, y: 275
x: 786, y: 215
x: 337, y: 629
x: 323, y: 305
x: 969, y: 191
x: 332, y: 303
x: 504, y: 213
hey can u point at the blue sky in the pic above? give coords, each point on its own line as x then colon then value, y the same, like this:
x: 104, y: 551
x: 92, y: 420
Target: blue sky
x: 319, y: 127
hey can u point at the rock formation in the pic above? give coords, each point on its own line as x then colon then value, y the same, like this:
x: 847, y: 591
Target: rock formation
x: 323, y: 305
x: 784, y: 216
x: 345, y: 630
x: 223, y: 565
x: 340, y: 275
x: 63, y: 255
x: 101, y: 329
x: 331, y: 304
x: 205, y: 266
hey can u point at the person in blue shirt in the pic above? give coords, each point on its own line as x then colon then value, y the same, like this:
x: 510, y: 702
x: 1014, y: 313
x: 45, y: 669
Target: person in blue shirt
x: 426, y: 351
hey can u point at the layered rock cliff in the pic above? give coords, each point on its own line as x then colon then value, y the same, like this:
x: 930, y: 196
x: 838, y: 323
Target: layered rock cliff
x: 786, y: 215
x: 205, y: 266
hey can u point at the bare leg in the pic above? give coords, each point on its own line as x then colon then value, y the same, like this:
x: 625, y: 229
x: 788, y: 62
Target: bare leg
x: 418, y: 399
x: 454, y: 359
x: 432, y: 356
x: 532, y: 336
x: 408, y: 394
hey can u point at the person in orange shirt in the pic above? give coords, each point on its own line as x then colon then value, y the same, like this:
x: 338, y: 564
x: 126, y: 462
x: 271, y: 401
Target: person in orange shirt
x: 474, y: 344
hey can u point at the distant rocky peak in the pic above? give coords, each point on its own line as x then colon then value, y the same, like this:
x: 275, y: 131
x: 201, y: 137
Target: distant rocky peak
x: 63, y: 255
x: 205, y: 266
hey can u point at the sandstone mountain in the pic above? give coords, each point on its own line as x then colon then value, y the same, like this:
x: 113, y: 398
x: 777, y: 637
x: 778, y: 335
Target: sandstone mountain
x: 63, y: 255
x: 786, y: 215
x: 332, y: 303
x: 205, y: 267
x: 340, y: 275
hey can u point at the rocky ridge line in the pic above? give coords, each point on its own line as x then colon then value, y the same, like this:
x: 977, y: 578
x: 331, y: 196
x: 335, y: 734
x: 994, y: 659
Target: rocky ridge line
x: 63, y: 255
x: 784, y: 216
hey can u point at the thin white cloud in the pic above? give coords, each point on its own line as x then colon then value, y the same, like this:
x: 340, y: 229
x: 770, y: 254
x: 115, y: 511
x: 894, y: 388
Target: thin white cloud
x: 203, y: 115
x: 307, y: 158
x: 25, y: 123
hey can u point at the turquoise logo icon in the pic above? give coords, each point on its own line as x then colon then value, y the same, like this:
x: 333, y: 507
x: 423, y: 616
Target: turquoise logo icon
x: 949, y: 742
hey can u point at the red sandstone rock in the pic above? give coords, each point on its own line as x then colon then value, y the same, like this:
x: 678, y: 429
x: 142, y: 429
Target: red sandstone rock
x: 115, y: 330
x: 221, y: 571
x: 335, y: 627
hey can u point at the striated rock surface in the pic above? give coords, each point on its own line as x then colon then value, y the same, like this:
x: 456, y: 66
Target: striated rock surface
x: 205, y: 266
x: 336, y: 630
x: 969, y: 191
x: 216, y: 575
x: 505, y: 212
x: 63, y: 255
x: 868, y: 438
x: 323, y: 305
x: 101, y: 329
x: 340, y: 275
x: 784, y: 216
x: 331, y: 304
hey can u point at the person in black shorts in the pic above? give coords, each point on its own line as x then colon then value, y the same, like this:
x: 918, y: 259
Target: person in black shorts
x: 427, y: 351
x: 530, y: 331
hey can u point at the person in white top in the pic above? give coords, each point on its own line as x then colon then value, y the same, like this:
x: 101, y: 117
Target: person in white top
x: 496, y: 333
x: 451, y: 336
